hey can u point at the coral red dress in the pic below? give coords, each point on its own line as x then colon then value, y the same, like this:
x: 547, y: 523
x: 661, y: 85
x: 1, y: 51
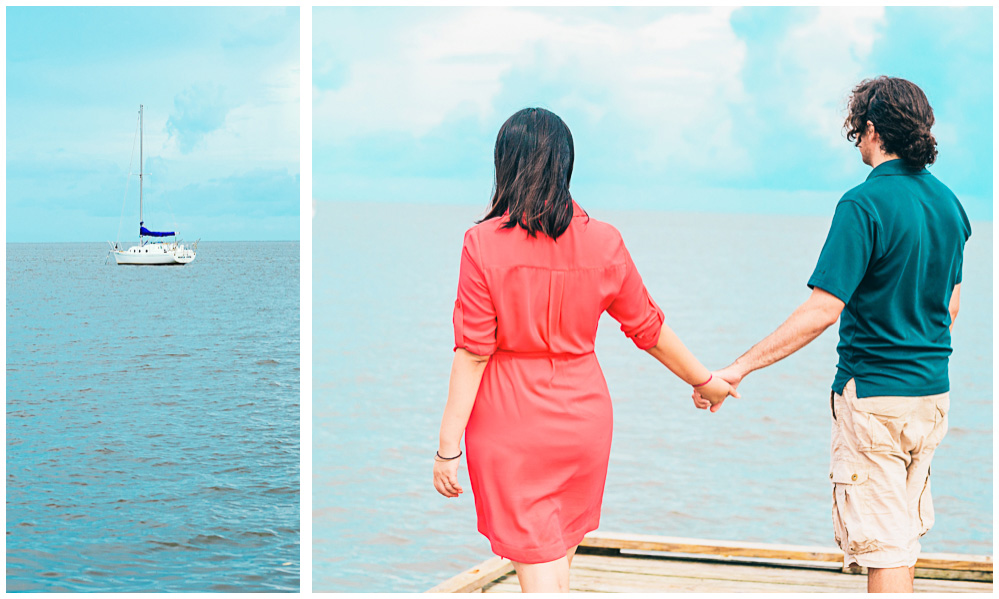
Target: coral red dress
x: 538, y: 439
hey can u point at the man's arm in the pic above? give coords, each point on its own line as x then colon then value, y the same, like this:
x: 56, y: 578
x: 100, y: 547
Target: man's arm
x: 817, y: 314
x: 675, y: 356
x: 955, y: 304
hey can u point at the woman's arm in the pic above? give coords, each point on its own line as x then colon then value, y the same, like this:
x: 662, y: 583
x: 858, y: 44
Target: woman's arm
x: 674, y: 355
x: 466, y: 374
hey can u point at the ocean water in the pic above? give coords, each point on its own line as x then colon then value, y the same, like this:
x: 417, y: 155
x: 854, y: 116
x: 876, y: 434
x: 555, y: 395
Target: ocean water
x: 153, y: 420
x: 384, y: 279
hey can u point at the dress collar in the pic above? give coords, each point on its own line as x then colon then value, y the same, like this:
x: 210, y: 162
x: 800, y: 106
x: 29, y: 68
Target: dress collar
x: 577, y: 212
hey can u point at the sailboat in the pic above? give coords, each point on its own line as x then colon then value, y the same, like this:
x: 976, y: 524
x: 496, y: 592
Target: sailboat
x: 148, y: 252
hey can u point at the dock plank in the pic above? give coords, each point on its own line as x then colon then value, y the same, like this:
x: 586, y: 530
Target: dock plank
x: 721, y: 573
x: 607, y: 562
x: 601, y: 573
x: 474, y: 579
x: 733, y: 549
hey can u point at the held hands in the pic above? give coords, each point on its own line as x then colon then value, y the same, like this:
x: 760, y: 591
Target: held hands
x: 723, y: 383
x: 446, y: 477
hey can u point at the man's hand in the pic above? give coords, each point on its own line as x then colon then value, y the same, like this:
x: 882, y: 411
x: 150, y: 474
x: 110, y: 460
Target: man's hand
x: 731, y: 374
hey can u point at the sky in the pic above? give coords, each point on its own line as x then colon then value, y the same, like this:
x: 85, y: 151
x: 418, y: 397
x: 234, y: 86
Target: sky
x: 220, y: 87
x: 687, y: 109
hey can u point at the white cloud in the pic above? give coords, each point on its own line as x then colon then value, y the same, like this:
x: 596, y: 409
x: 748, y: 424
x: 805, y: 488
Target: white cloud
x: 260, y: 129
x: 822, y: 59
x: 672, y: 79
x: 259, y: 132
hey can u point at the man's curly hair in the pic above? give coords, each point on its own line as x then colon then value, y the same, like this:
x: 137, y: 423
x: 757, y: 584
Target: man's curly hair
x: 901, y: 115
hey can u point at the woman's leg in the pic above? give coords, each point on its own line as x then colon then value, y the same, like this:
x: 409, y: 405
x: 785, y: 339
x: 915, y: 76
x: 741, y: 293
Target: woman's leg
x: 571, y: 552
x: 549, y: 577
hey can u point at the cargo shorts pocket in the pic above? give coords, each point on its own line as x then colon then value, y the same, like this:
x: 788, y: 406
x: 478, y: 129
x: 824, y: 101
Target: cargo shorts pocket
x: 879, y: 437
x: 873, y: 419
x: 940, y: 423
x: 849, y: 473
x: 850, y: 507
x: 871, y: 431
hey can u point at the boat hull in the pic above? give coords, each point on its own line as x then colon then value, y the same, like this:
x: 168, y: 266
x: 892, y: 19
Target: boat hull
x: 147, y: 261
x: 153, y: 255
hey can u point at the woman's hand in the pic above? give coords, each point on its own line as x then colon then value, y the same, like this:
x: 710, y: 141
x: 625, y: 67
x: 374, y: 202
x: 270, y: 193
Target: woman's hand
x: 446, y: 477
x: 699, y: 402
x: 713, y: 393
x: 466, y: 374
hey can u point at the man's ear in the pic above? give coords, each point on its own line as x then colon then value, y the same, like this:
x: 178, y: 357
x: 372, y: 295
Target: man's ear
x: 872, y: 134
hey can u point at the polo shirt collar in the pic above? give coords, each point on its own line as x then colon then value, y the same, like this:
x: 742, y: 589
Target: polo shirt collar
x: 895, y: 167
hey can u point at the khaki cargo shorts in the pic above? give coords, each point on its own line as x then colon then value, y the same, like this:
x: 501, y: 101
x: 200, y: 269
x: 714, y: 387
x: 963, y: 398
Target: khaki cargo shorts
x: 880, y: 470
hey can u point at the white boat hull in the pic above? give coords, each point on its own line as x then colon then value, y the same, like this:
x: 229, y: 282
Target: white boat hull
x: 155, y: 254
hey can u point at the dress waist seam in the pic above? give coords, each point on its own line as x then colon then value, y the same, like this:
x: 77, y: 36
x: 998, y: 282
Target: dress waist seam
x: 541, y: 354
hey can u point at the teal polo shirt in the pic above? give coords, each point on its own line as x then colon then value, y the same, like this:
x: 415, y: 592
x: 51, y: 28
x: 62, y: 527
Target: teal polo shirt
x: 894, y: 253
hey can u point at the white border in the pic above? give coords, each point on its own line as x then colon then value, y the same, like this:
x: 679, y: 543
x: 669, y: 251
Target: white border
x: 305, y: 315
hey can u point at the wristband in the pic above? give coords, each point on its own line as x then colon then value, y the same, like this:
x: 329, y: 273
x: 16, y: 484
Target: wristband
x: 711, y: 376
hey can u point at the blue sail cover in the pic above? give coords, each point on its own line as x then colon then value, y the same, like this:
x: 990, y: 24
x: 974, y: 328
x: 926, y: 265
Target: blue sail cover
x: 144, y: 232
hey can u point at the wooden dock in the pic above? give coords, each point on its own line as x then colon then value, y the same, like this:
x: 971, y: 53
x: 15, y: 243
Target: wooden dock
x: 610, y: 563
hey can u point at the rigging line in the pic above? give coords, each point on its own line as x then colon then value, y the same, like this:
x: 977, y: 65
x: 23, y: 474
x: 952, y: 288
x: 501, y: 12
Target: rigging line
x: 127, y: 179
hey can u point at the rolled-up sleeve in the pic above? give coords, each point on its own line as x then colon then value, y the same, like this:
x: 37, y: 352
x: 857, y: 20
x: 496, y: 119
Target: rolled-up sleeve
x: 474, y: 313
x: 641, y: 319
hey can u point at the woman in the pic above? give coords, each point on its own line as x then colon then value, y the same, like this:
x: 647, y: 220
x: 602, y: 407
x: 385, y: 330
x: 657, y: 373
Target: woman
x: 526, y: 389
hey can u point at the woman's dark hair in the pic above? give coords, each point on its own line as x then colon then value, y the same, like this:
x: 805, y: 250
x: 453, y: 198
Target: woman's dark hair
x: 533, y: 156
x: 901, y: 115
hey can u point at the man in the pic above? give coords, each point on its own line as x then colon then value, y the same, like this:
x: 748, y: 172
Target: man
x: 890, y: 270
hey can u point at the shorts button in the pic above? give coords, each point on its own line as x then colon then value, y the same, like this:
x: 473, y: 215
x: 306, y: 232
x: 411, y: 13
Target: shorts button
x: 854, y: 477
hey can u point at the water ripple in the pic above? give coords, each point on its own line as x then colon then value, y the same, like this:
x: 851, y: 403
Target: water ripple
x: 137, y: 441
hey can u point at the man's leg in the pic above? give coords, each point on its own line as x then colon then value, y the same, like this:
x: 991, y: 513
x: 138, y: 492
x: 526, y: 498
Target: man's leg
x: 869, y: 476
x: 889, y: 580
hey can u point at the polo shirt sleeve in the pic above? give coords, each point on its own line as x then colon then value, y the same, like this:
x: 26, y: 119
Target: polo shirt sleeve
x: 960, y: 255
x: 849, y: 247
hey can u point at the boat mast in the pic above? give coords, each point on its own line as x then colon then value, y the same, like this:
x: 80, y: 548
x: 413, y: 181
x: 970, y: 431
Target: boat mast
x: 140, y: 165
